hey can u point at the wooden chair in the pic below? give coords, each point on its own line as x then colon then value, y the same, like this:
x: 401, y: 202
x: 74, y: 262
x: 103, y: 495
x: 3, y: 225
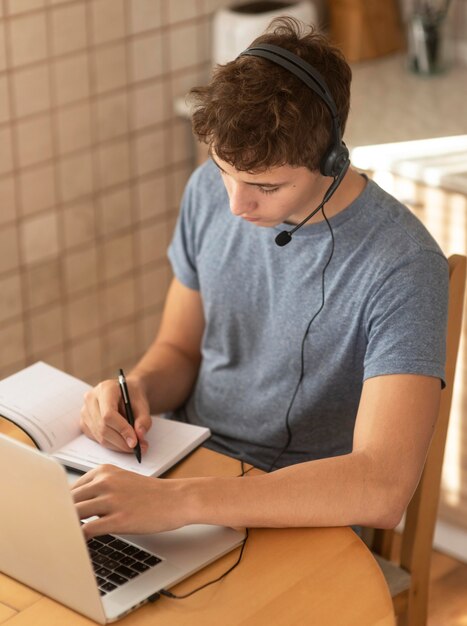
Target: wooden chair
x: 408, y: 580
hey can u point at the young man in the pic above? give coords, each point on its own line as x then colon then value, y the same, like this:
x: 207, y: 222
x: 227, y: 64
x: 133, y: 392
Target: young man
x: 322, y: 360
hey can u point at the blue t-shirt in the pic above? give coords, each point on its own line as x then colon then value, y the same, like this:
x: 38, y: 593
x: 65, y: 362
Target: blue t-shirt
x: 384, y: 312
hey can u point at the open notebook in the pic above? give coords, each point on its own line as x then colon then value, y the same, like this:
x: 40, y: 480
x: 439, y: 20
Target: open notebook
x: 45, y: 402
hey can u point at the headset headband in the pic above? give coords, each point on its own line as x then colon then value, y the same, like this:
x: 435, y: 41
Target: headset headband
x: 303, y: 70
x: 337, y: 157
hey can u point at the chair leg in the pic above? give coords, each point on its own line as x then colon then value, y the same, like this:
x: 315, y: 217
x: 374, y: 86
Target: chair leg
x: 417, y: 609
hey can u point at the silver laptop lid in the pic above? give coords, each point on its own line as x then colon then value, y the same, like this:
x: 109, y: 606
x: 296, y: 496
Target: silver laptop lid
x: 41, y: 543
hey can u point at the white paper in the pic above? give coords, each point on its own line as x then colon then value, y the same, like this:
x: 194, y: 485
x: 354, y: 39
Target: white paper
x: 45, y: 402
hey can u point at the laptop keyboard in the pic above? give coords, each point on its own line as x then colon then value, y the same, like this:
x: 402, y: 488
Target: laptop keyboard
x: 116, y: 561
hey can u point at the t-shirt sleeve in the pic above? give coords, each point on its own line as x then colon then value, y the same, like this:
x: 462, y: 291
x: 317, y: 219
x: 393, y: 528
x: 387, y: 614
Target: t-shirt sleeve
x: 407, y: 318
x: 182, y: 250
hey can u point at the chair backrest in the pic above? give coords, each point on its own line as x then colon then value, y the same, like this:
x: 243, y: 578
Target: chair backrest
x: 420, y: 518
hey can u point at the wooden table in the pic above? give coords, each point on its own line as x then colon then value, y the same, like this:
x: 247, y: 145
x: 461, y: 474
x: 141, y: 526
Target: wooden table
x: 288, y: 577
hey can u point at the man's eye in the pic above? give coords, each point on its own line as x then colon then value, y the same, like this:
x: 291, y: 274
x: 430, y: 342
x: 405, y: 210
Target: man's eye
x: 268, y: 189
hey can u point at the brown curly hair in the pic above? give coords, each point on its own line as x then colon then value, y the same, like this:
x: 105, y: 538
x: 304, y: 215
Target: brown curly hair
x: 257, y: 115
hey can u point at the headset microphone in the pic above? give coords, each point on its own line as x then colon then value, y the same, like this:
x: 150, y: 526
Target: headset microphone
x: 284, y: 237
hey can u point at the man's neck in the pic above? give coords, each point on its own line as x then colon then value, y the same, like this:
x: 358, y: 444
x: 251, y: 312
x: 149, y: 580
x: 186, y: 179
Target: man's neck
x: 351, y: 187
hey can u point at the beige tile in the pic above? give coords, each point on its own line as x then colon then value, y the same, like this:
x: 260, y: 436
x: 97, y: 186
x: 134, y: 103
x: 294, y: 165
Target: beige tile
x: 39, y: 237
x: 45, y: 330
x: 8, y: 248
x: 6, y: 153
x: 76, y: 176
x: 171, y: 224
x: 83, y: 314
x: 120, y: 348
x: 10, y: 302
x: 12, y: 342
x: 37, y: 189
x: 149, y: 104
x: 205, y: 42
x: 112, y: 116
x: 180, y: 10
x: 152, y: 196
x: 31, y: 90
x: 22, y: 6
x: 183, y: 81
x: 114, y: 163
x: 183, y: 47
x: 7, y: 370
x: 34, y: 137
x: 28, y: 37
x: 81, y: 269
x: 55, y: 357
x: 148, y: 326
x: 152, y: 242
x: 2, y: 46
x: 144, y: 15
x: 71, y: 79
x: 79, y: 223
x: 212, y: 5
x: 178, y: 179
x: 146, y: 57
x: 7, y: 199
x: 150, y: 151
x: 108, y: 20
x: 153, y: 285
x: 74, y: 127
x: 182, y: 142
x: 115, y: 209
x: 86, y: 360
x: 4, y: 101
x: 119, y: 300
x: 118, y: 256
x: 110, y: 67
x: 43, y: 283
x: 68, y: 28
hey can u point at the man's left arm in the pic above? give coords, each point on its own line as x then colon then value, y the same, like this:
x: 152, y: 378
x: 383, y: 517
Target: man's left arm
x: 371, y: 486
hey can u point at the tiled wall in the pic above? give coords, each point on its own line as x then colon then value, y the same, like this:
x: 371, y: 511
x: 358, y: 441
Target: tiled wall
x: 92, y: 165
x: 93, y: 161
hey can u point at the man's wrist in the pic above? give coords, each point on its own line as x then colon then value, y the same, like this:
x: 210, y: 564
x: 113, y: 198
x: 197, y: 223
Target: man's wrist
x: 141, y: 378
x: 211, y: 500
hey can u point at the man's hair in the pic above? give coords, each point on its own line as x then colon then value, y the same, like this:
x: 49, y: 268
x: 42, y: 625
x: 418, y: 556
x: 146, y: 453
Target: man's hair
x: 257, y: 115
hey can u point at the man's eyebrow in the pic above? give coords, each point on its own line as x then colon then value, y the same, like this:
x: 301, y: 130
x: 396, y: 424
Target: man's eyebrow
x: 247, y: 183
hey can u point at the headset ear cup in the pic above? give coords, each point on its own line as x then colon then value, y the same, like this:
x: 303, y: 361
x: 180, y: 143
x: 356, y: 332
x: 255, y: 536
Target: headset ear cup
x: 334, y: 160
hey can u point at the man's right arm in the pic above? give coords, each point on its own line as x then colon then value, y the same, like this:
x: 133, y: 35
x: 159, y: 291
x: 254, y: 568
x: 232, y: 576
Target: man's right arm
x: 161, y: 381
x: 170, y: 366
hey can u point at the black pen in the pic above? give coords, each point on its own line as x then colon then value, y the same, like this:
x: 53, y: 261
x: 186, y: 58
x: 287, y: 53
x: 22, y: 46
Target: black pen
x: 129, y: 411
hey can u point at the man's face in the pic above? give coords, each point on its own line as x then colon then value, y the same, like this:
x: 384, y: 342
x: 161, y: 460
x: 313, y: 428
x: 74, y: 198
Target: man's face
x: 280, y: 194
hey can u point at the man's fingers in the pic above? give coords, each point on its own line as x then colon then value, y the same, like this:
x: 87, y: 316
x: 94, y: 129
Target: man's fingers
x: 103, y: 417
x: 96, y: 527
x: 114, y: 431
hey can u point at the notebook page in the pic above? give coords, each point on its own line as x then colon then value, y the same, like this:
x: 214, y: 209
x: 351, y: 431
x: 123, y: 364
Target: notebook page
x: 45, y: 402
x: 169, y: 442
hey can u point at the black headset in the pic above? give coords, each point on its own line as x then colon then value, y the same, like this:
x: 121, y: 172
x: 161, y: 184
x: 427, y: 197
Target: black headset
x: 336, y: 160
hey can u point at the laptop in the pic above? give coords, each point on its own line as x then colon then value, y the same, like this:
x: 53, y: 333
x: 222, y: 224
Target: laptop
x: 42, y: 545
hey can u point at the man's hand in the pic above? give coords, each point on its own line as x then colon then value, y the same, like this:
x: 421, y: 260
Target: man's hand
x: 102, y: 416
x: 128, y: 503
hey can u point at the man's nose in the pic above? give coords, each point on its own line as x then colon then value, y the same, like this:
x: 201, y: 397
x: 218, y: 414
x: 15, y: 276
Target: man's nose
x: 241, y: 200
